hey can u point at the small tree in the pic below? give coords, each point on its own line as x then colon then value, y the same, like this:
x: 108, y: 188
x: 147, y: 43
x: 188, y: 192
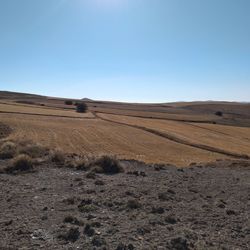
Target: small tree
x: 81, y: 107
x: 68, y: 102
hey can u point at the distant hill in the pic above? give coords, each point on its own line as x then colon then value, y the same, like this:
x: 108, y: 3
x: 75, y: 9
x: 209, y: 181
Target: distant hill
x: 17, y: 95
x: 209, y: 107
x: 87, y: 100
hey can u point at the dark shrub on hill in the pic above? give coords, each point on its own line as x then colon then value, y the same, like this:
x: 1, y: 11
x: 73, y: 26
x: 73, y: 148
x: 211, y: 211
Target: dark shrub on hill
x: 58, y: 157
x: 108, y: 165
x: 219, y: 113
x: 81, y: 107
x: 21, y: 163
x: 72, y: 220
x: 72, y: 235
x: 8, y: 150
x: 26, y: 102
x: 68, y: 102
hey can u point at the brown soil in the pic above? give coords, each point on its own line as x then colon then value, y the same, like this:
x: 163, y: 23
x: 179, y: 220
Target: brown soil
x: 146, y: 207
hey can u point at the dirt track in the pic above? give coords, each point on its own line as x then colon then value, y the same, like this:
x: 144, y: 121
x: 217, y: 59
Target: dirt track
x: 147, y: 207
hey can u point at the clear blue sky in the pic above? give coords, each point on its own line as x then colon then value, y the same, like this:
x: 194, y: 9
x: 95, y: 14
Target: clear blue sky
x: 128, y: 50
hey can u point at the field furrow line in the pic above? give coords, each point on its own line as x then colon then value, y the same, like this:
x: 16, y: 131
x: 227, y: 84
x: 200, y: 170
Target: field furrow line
x: 158, y: 118
x: 181, y: 141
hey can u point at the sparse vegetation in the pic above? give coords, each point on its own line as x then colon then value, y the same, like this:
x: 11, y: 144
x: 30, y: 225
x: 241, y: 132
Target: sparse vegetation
x: 8, y: 150
x: 91, y: 175
x: 98, y: 241
x: 73, y: 220
x: 87, y: 208
x: 34, y: 150
x: 26, y: 102
x: 72, y: 235
x: 68, y: 102
x: 219, y: 113
x: 21, y: 163
x: 108, y: 165
x: 58, y: 157
x: 88, y: 230
x: 114, y: 212
x: 82, y: 164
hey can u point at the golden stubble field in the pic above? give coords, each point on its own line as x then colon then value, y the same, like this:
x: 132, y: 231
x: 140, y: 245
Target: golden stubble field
x: 228, y: 138
x: 99, y: 133
x: 8, y: 107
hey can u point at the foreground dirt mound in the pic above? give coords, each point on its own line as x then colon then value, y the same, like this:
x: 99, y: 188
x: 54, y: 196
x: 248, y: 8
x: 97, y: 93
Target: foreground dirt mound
x: 5, y: 130
x: 145, y: 207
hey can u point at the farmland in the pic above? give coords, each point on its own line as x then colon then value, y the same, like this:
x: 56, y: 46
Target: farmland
x: 149, y: 133
x: 101, y: 137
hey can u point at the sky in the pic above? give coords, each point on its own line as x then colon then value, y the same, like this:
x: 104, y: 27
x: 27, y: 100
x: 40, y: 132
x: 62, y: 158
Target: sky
x: 127, y: 50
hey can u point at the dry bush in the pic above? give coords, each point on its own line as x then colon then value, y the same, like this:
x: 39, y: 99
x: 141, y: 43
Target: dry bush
x: 82, y: 164
x: 72, y: 235
x: 61, y: 159
x: 21, y: 163
x: 107, y: 165
x: 58, y: 157
x: 8, y: 150
x: 68, y: 102
x: 73, y: 220
x: 34, y: 150
x: 219, y: 113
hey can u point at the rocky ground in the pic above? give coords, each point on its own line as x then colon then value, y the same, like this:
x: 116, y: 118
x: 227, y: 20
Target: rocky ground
x: 145, y: 207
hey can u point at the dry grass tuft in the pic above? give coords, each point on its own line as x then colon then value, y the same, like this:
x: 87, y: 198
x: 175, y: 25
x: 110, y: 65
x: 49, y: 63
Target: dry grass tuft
x: 21, y: 163
x: 8, y: 150
x: 58, y: 157
x: 82, y: 164
x: 107, y: 165
x: 34, y: 150
x: 72, y: 235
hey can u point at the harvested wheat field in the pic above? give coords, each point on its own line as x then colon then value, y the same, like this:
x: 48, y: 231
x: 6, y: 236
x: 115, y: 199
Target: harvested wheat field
x: 30, y: 109
x: 165, y: 137
x: 95, y: 136
x: 235, y: 141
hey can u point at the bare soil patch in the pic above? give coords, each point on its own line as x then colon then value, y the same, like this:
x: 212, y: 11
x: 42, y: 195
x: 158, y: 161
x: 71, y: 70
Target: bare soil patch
x: 144, y: 207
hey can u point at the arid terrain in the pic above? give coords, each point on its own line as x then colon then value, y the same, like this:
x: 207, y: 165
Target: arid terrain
x: 175, y: 176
